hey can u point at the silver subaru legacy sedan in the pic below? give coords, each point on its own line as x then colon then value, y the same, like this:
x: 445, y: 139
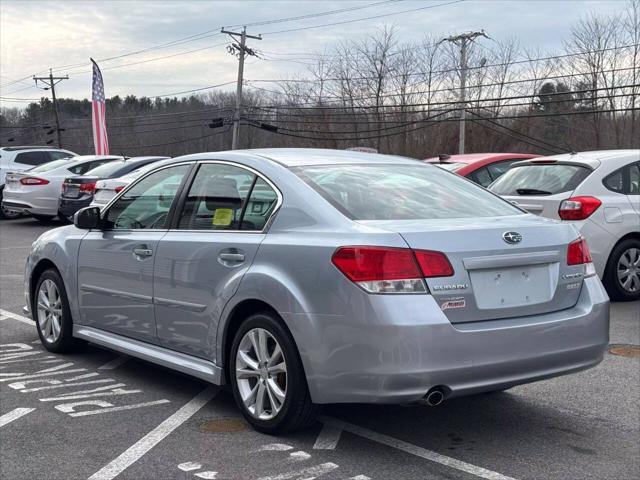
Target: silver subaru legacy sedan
x: 304, y: 277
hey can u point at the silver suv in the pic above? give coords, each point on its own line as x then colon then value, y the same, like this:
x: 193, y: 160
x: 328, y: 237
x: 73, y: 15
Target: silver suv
x: 305, y: 277
x: 19, y: 159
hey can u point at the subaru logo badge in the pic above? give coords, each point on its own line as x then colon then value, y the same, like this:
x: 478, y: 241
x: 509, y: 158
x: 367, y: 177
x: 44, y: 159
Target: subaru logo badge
x: 512, y: 237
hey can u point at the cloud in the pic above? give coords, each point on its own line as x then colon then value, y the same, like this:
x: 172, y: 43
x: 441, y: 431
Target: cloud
x: 36, y: 35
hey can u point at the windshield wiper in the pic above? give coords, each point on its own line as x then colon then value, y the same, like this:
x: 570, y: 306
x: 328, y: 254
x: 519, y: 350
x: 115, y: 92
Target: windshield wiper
x: 532, y: 191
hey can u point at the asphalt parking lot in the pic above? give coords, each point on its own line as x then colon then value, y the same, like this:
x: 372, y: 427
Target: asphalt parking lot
x: 95, y: 414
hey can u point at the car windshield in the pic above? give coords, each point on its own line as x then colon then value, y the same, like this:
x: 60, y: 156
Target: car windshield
x: 45, y: 167
x: 106, y: 169
x: 540, y: 179
x: 402, y: 192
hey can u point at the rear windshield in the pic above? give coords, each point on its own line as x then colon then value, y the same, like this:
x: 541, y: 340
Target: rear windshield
x: 540, y: 179
x: 401, y: 192
x: 132, y: 175
x: 45, y: 167
x: 106, y: 169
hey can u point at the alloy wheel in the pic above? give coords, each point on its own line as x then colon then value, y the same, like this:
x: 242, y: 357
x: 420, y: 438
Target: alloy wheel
x: 261, y: 374
x: 629, y: 270
x: 49, y: 311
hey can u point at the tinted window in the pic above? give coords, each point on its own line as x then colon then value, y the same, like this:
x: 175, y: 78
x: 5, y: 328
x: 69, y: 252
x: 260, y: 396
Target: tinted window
x: 58, y: 155
x: 500, y: 168
x: 540, y: 179
x: 398, y: 192
x: 83, y: 168
x: 216, y: 199
x: 615, y: 181
x: 106, y: 169
x: 31, y: 158
x: 482, y: 177
x: 146, y: 205
x: 634, y: 179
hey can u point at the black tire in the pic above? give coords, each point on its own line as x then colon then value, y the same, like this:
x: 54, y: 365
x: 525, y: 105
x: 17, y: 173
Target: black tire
x: 297, y: 410
x: 65, y: 342
x: 43, y: 218
x: 610, y: 279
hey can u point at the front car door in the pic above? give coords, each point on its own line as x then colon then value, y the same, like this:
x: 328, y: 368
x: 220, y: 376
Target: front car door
x: 212, y: 243
x: 115, y: 263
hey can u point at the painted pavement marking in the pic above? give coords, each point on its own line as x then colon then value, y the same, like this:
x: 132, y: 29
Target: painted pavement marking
x: 14, y: 414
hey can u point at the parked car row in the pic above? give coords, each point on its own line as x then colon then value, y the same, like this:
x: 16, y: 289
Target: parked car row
x: 598, y: 192
x: 61, y: 182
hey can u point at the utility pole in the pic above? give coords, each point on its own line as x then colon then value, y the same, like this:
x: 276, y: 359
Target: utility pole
x: 240, y: 50
x: 462, y: 41
x: 51, y: 83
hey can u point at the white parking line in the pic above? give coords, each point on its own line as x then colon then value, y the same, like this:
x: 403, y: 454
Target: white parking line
x: 14, y: 415
x: 306, y: 473
x: 328, y: 437
x: 15, y: 316
x: 115, y: 363
x: 155, y: 436
x: 415, y: 450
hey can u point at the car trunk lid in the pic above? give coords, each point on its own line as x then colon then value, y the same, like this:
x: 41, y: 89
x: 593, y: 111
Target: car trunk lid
x: 495, y: 275
x: 76, y: 187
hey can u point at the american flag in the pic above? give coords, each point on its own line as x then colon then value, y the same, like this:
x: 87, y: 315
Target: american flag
x: 100, y: 140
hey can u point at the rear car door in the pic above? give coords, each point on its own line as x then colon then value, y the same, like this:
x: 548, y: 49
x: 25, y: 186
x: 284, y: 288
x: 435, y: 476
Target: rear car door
x: 115, y: 263
x: 202, y: 259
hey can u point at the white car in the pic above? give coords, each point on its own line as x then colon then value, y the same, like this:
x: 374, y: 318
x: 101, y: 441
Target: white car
x: 37, y: 191
x: 18, y: 159
x: 599, y: 192
x: 108, y: 188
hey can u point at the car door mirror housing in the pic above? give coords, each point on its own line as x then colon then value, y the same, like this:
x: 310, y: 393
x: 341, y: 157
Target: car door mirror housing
x: 87, y: 218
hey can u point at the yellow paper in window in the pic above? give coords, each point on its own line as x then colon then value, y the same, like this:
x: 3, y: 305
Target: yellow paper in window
x: 222, y: 217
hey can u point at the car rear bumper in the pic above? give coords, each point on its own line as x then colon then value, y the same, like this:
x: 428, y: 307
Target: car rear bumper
x: 29, y: 204
x: 69, y: 206
x: 398, y: 362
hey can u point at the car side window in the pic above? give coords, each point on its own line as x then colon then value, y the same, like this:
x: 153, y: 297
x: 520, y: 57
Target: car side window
x: 31, y: 158
x: 260, y: 206
x: 146, y: 205
x: 615, y: 181
x: 216, y: 198
x: 482, y: 177
x: 634, y: 179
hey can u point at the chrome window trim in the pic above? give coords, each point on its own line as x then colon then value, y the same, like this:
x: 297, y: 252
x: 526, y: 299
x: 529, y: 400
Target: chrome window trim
x: 267, y: 224
x: 258, y: 174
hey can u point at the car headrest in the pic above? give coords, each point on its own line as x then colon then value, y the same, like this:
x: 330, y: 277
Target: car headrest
x: 221, y: 193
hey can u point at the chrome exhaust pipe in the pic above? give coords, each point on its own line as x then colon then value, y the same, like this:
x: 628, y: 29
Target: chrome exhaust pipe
x: 434, y: 397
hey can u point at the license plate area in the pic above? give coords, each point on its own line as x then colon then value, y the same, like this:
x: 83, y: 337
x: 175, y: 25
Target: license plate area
x: 71, y: 191
x: 514, y: 286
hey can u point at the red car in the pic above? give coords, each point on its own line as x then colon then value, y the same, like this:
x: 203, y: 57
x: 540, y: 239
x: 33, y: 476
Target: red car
x: 482, y: 168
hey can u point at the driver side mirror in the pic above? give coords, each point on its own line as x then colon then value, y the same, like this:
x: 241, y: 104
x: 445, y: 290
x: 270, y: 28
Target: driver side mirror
x: 87, y: 218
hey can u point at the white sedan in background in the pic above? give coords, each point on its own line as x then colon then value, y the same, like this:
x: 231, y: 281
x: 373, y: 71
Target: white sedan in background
x: 37, y: 191
x: 108, y: 188
x: 599, y: 192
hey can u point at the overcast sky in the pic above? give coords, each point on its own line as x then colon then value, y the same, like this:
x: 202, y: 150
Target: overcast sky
x: 37, y: 35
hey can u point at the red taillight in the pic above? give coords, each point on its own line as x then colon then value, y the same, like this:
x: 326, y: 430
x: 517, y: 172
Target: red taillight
x: 33, y: 181
x: 119, y: 189
x: 578, y: 252
x: 363, y: 264
x: 391, y: 270
x: 578, y: 208
x: 88, y: 187
x: 433, y: 264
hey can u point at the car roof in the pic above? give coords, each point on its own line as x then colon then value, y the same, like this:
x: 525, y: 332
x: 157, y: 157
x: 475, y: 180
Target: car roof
x: 297, y: 157
x: 33, y: 147
x: 595, y: 158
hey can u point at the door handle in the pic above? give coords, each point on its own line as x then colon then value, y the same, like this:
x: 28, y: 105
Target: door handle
x: 142, y: 252
x: 231, y: 257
